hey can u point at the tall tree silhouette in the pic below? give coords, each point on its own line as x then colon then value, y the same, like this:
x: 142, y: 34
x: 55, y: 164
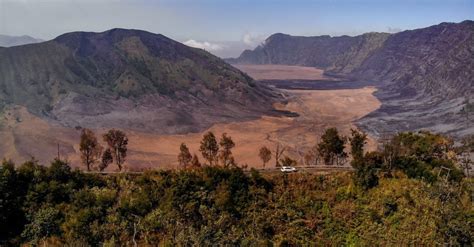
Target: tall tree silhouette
x: 184, y: 156
x: 265, y: 155
x: 117, y: 142
x: 331, y: 147
x: 209, y: 148
x: 89, y: 148
x: 226, y: 144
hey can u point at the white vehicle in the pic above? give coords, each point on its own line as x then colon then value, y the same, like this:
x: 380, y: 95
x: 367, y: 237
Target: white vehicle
x: 287, y: 169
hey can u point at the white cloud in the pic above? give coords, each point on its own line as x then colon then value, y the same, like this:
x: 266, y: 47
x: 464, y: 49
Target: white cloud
x: 204, y: 45
x: 393, y: 29
x: 252, y: 39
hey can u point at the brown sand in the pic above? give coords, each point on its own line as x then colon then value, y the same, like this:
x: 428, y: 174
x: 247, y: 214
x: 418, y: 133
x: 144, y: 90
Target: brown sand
x: 318, y: 110
x: 24, y: 135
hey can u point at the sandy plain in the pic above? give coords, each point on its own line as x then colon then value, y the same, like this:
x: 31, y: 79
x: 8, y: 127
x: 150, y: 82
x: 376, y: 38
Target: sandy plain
x: 24, y: 135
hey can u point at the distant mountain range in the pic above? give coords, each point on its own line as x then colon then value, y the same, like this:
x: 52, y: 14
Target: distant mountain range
x: 8, y: 41
x: 128, y: 79
x: 425, y: 76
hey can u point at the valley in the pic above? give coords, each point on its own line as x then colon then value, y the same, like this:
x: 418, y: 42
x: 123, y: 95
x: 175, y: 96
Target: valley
x: 286, y: 91
x: 424, y: 76
x: 236, y: 123
x: 27, y: 135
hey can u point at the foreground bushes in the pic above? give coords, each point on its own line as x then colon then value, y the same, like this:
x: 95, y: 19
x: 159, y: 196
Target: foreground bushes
x: 210, y: 206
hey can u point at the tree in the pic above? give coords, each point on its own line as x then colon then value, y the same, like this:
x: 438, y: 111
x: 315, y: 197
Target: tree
x: 265, y: 155
x: 89, y: 148
x: 278, y: 153
x: 357, y: 140
x: 287, y: 161
x: 331, y: 147
x: 195, y: 162
x: 43, y: 224
x: 468, y: 143
x: 11, y: 201
x: 366, y: 167
x: 464, y: 152
x: 312, y: 156
x: 226, y: 144
x: 209, y: 147
x: 106, y: 160
x: 184, y: 156
x: 117, y: 142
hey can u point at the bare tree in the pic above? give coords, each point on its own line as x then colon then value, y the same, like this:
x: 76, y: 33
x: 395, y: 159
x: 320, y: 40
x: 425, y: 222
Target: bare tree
x: 278, y: 153
x: 312, y: 156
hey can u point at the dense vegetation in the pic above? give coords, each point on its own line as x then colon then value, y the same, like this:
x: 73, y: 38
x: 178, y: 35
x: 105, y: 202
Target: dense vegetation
x: 411, y: 192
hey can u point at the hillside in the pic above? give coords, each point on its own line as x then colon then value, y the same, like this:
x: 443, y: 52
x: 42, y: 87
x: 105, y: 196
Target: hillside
x: 425, y: 76
x: 319, y: 51
x: 8, y: 41
x: 127, y: 79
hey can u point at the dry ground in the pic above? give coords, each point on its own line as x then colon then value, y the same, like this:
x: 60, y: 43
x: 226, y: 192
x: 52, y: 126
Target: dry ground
x: 282, y: 72
x: 24, y: 135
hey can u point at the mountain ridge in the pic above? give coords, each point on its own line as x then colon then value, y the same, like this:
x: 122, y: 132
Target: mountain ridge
x: 430, y: 68
x: 9, y: 41
x: 96, y: 79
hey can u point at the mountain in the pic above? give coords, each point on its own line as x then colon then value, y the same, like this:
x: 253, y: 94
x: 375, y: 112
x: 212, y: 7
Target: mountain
x: 8, y: 41
x: 320, y: 51
x: 426, y: 73
x: 128, y: 79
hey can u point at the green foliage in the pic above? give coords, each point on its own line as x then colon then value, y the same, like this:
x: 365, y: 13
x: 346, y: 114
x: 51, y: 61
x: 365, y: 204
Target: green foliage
x: 331, y: 146
x: 106, y: 159
x: 423, y: 145
x: 89, y: 148
x: 11, y: 197
x: 117, y: 142
x: 366, y: 170
x: 225, y: 206
x: 209, y: 148
x: 184, y: 156
x: 416, y: 202
x: 422, y: 155
x: 43, y: 223
x: 225, y: 155
x: 357, y: 141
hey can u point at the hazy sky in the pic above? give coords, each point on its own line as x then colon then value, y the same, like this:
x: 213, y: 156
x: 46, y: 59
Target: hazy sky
x: 225, y: 27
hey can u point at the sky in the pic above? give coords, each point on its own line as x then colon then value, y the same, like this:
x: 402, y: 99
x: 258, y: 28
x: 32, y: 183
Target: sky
x: 226, y: 27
